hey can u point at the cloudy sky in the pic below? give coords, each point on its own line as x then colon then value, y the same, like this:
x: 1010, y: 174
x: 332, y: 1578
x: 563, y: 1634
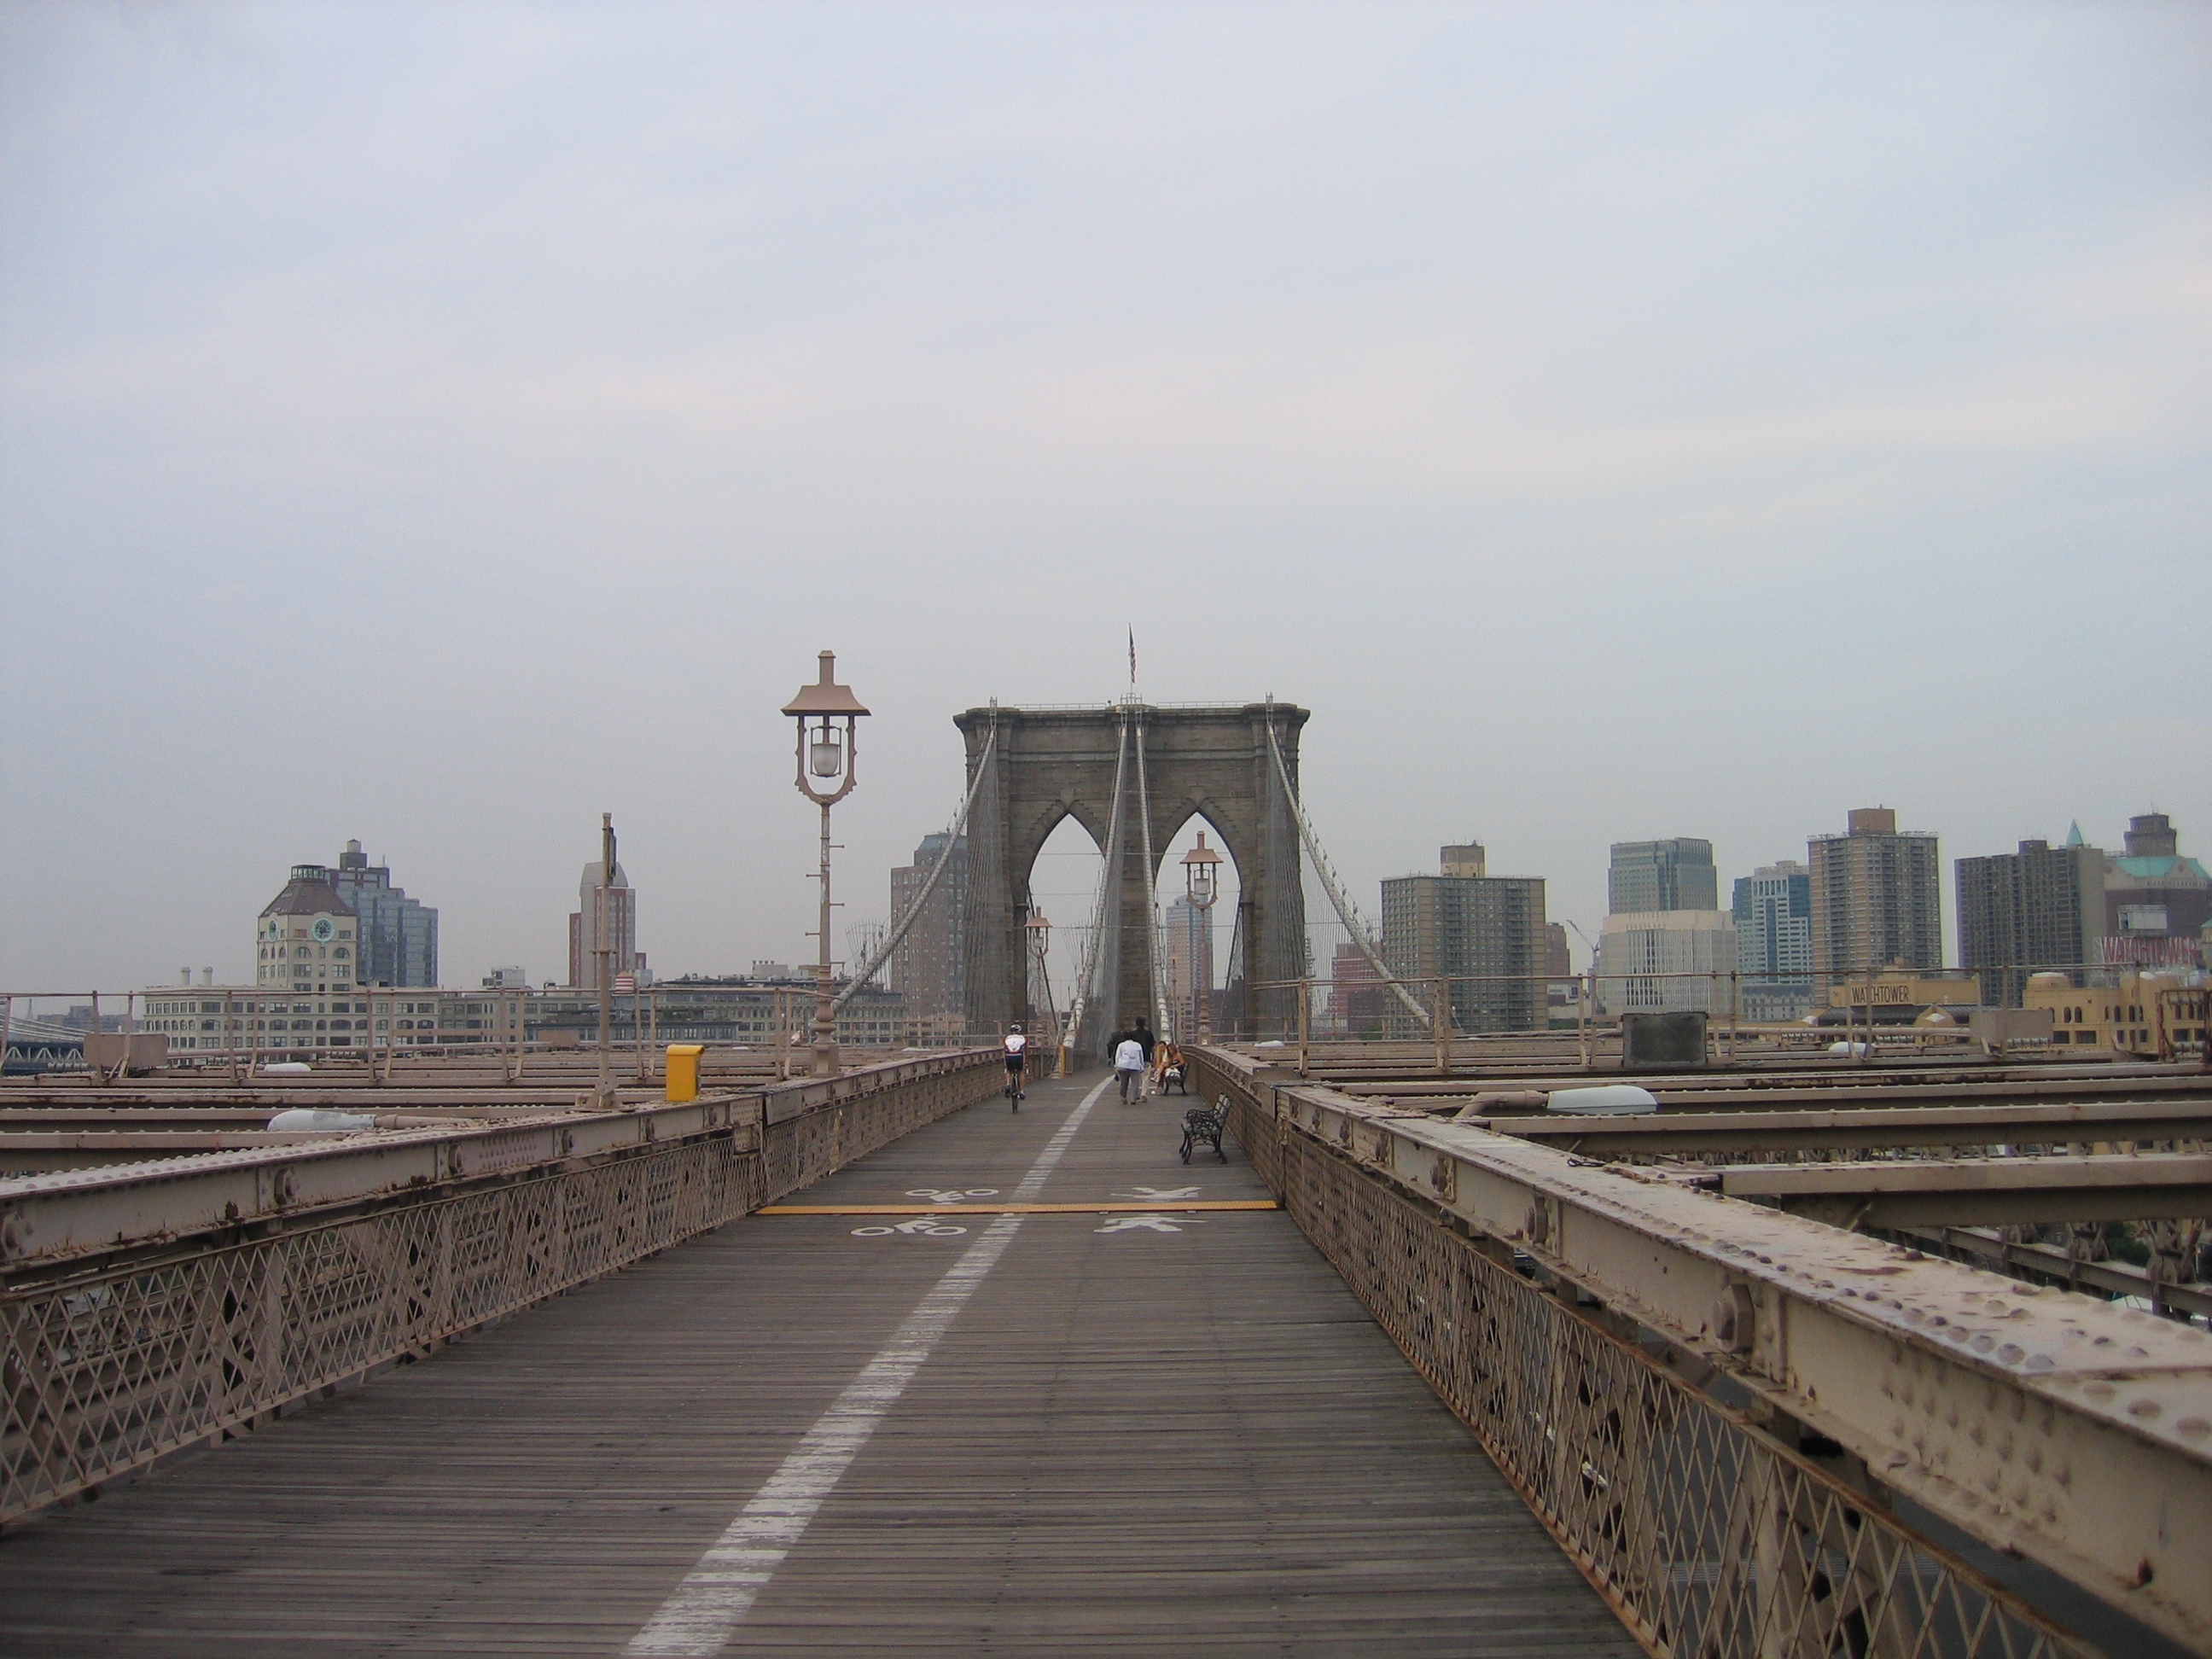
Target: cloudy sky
x: 439, y: 424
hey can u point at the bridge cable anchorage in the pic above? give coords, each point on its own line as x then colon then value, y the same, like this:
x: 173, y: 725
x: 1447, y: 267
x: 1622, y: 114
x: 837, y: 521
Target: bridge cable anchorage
x: 1346, y: 911
x: 1087, y: 976
x: 904, y: 923
x: 1156, y: 928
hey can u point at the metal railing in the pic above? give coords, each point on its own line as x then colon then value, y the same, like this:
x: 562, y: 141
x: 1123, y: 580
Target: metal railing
x: 1438, y: 1011
x: 1708, y: 1536
x: 142, y: 1311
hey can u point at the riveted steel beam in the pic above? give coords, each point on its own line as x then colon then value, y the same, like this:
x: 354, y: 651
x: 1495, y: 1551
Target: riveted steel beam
x: 1974, y: 1192
x: 2082, y: 1123
x: 2047, y: 1423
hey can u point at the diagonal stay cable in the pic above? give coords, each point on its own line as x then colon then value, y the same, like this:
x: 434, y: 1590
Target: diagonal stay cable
x: 904, y: 924
x: 1346, y: 911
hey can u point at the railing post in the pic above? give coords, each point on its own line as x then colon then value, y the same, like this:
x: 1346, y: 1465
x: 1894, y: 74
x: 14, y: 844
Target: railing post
x: 1440, y: 1026
x: 1305, y: 1017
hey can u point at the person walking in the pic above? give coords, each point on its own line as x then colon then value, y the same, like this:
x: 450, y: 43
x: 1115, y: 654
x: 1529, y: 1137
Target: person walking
x: 1149, y: 1042
x: 1129, y: 1067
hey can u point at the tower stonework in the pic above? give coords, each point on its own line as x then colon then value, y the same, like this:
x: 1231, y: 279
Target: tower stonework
x: 1172, y: 763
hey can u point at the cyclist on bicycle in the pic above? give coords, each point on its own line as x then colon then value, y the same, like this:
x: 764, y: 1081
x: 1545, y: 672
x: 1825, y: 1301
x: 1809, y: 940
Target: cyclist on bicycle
x: 1017, y: 1047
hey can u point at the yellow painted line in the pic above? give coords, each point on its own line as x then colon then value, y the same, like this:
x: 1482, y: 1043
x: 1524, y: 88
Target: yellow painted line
x: 1174, y: 1206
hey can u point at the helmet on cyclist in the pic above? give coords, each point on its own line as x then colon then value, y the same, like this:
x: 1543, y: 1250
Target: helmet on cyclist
x: 1014, y: 1029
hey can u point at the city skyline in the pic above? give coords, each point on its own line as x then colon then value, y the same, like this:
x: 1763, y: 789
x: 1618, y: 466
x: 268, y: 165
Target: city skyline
x: 365, y: 378
x: 1369, y: 900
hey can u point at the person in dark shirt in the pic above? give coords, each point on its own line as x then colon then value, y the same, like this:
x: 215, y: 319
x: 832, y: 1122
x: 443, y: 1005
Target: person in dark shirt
x: 1139, y: 1033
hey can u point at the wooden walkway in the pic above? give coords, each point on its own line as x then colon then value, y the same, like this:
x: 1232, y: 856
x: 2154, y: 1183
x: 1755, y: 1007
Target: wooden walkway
x: 1140, y: 1433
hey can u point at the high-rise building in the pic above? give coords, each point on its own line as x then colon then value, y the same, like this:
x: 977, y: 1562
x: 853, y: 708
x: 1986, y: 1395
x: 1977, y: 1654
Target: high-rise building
x: 2157, y: 901
x: 1356, y: 993
x: 1484, y: 932
x: 306, y: 940
x: 928, y: 971
x: 604, y: 921
x: 1772, y: 913
x: 1189, y: 967
x: 399, y: 934
x: 1877, y: 896
x: 1666, y: 961
x: 2040, y: 908
x: 1662, y: 875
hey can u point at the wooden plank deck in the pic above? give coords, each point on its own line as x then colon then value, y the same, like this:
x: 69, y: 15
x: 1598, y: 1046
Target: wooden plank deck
x: 1137, y: 1438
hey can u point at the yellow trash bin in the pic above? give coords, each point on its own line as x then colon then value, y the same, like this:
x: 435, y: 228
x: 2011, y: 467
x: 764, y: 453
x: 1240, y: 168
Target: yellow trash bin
x: 684, y: 1070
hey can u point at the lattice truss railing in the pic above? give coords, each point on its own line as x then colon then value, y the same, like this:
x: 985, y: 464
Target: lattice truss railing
x: 104, y: 1375
x: 1709, y: 1539
x: 110, y: 1370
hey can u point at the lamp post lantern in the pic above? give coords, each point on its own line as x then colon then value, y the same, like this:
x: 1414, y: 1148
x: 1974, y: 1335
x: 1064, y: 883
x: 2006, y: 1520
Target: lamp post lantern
x: 1202, y: 886
x: 826, y: 754
x: 1040, y: 940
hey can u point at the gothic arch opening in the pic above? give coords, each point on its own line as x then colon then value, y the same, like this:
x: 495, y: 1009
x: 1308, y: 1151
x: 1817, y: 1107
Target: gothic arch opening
x: 1062, y: 879
x: 1196, y: 952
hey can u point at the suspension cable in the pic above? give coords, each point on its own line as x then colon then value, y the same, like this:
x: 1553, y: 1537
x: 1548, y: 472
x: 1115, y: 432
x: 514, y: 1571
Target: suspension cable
x: 1153, y: 924
x: 1109, y: 879
x: 900, y: 929
x: 1346, y: 911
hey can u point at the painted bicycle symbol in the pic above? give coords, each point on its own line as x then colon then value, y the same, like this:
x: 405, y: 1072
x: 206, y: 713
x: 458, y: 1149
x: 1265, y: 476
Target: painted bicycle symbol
x: 941, y: 1196
x: 929, y: 1226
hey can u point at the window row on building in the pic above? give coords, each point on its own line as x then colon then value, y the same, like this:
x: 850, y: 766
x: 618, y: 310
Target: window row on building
x: 227, y: 1018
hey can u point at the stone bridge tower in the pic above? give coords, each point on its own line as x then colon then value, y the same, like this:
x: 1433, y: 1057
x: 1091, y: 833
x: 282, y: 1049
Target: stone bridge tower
x: 1168, y: 762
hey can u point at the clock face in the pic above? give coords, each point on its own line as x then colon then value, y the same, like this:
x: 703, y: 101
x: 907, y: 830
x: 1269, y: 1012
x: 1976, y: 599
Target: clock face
x: 322, y: 929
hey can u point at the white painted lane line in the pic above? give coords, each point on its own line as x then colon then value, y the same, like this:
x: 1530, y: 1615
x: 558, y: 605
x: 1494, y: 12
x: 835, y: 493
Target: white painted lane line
x: 699, y: 1616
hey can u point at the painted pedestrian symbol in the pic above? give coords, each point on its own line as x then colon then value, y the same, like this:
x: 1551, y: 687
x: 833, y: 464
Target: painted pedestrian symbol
x: 929, y: 1226
x: 1158, y: 1223
x: 1159, y: 1194
x: 942, y: 1195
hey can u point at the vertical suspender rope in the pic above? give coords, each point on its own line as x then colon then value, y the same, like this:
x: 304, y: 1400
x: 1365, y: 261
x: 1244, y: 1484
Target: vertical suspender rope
x: 1151, y: 888
x: 1346, y: 911
x: 1110, y: 880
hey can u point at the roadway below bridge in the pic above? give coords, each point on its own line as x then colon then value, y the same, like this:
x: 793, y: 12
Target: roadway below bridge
x: 1134, y: 1429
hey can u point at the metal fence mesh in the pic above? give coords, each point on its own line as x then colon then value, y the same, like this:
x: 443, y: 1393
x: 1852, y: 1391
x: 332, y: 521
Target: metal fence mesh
x: 1709, y: 1538
x: 102, y: 1376
x: 106, y: 1372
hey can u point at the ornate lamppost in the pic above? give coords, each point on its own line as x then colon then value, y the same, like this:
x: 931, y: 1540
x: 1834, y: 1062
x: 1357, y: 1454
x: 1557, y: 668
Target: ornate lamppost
x: 825, y: 752
x: 1201, y: 887
x: 1040, y: 940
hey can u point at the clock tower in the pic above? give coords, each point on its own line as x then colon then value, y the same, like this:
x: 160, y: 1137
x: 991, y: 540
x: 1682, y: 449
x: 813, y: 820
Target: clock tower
x: 307, y: 939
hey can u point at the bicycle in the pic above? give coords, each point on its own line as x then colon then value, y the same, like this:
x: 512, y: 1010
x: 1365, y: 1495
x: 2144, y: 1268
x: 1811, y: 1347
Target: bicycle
x: 1013, y: 1089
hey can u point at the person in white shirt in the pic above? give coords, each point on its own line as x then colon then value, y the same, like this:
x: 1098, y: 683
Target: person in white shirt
x: 1129, y: 1068
x: 1017, y: 1051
